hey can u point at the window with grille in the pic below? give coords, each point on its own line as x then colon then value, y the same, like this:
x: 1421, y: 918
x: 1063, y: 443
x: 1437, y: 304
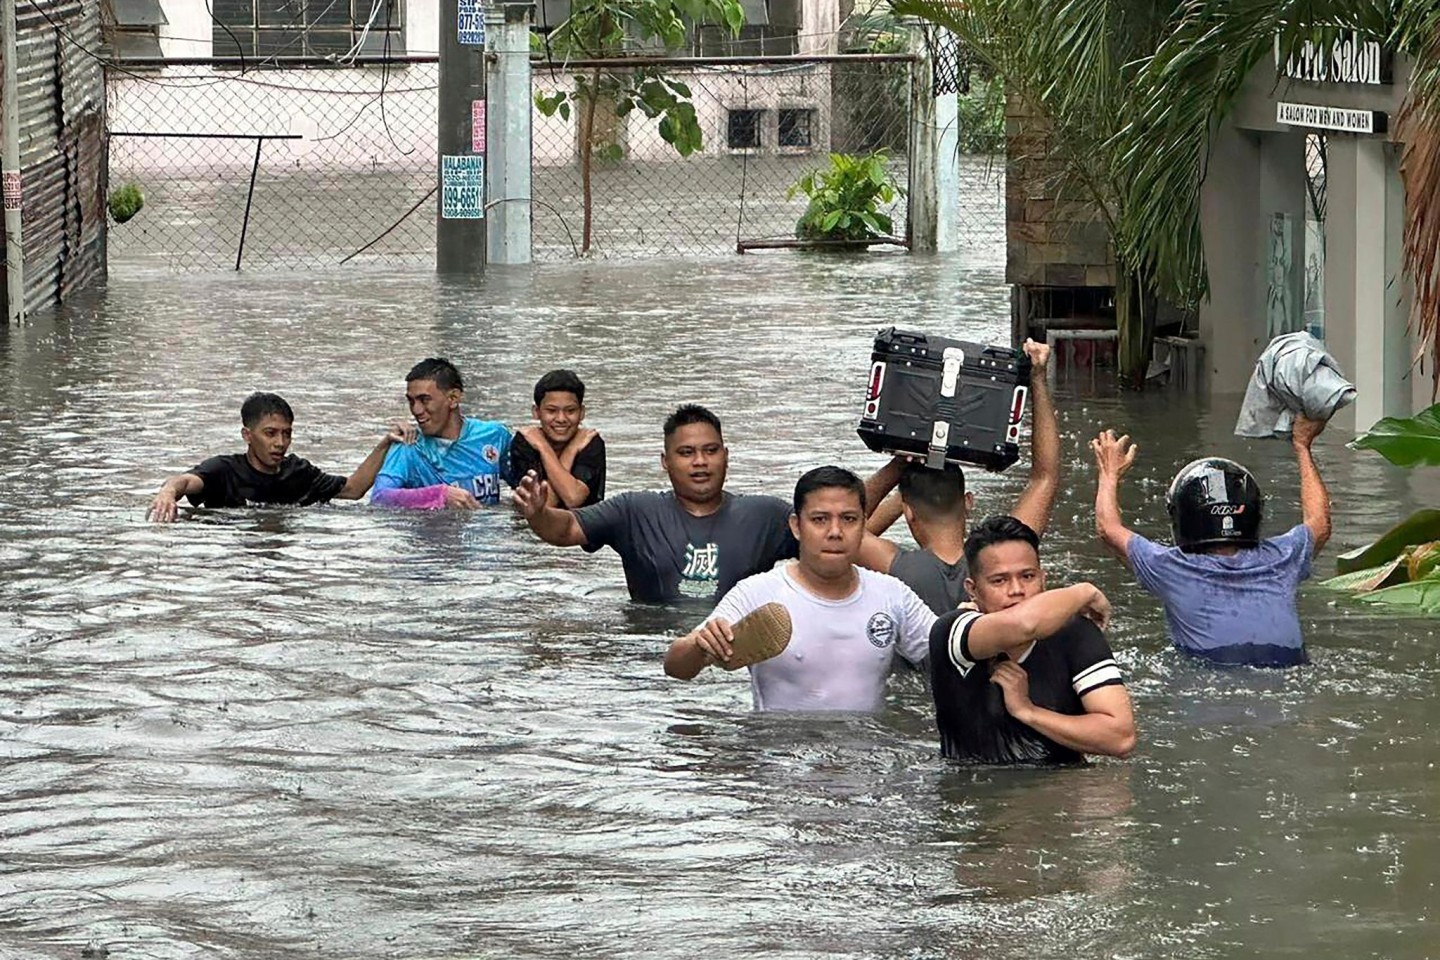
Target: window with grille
x: 261, y: 29
x: 744, y: 129
x: 795, y: 127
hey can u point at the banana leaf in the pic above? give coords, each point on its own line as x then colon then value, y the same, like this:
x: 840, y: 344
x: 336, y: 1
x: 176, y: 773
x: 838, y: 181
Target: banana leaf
x: 1371, y: 578
x: 1421, y: 561
x: 1405, y: 442
x: 1422, y: 526
x: 1422, y: 595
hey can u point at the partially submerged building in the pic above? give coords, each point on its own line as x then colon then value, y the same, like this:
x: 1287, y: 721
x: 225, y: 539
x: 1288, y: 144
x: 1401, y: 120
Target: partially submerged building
x: 1302, y: 214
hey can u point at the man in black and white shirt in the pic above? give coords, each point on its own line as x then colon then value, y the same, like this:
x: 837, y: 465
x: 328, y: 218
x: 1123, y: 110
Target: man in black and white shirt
x: 1026, y: 676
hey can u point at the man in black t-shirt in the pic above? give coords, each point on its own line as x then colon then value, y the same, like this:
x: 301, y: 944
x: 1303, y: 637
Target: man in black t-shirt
x: 694, y: 540
x: 935, y: 505
x: 266, y: 472
x: 1026, y: 676
x: 568, y: 456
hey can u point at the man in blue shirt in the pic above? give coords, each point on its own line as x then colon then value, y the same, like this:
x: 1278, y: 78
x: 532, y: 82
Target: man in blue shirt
x: 1229, y: 596
x: 456, y: 462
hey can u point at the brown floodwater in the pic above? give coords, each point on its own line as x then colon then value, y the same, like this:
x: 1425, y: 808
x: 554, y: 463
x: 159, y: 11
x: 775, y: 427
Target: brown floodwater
x: 356, y: 733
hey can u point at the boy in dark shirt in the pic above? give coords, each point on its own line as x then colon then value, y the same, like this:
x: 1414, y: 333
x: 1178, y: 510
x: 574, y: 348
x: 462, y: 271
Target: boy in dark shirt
x: 1026, y: 676
x: 266, y: 472
x: 571, y: 458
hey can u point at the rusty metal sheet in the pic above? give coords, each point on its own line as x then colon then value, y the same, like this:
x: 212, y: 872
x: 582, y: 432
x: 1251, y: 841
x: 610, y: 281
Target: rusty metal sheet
x: 61, y: 96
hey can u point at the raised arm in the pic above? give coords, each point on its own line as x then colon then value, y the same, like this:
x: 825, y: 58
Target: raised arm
x: 166, y: 503
x: 555, y: 526
x: 878, y: 486
x: 1114, y: 456
x: 1036, y: 618
x: 885, y: 514
x: 1038, y: 498
x: 360, y: 482
x: 1314, y: 498
x: 1106, y: 727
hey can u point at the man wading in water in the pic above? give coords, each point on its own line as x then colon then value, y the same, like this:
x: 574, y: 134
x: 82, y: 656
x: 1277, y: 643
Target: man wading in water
x: 1027, y: 676
x: 695, y: 541
x: 457, y: 461
x: 847, y: 623
x: 267, y: 473
x: 935, y: 505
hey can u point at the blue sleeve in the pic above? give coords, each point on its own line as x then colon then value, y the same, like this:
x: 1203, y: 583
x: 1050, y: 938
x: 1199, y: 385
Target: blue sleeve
x: 1297, y: 545
x: 1152, y: 564
x: 395, y: 471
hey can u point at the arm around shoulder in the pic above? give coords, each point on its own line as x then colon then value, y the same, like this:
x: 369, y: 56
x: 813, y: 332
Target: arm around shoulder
x: 1035, y: 619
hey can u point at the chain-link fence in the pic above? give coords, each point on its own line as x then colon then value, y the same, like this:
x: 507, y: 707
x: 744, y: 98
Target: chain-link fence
x: 765, y: 125
x: 309, y: 167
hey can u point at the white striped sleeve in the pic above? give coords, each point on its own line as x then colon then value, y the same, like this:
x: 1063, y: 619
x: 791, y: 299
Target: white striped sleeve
x: 958, y: 649
x: 1102, y: 673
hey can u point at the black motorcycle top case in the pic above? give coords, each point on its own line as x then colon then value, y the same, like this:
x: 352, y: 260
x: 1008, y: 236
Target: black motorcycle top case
x: 942, y: 400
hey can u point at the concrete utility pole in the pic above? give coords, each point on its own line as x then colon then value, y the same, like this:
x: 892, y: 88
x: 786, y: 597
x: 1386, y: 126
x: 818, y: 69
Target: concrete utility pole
x: 460, y: 211
x: 10, y: 169
x: 510, y: 112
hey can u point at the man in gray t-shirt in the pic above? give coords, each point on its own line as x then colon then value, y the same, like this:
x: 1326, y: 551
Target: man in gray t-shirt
x: 669, y: 552
x: 694, y: 541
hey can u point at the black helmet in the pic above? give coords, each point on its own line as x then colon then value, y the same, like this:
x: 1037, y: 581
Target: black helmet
x: 1214, y: 501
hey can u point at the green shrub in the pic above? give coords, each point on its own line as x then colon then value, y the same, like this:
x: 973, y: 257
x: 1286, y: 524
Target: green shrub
x: 845, y: 200
x: 125, y: 202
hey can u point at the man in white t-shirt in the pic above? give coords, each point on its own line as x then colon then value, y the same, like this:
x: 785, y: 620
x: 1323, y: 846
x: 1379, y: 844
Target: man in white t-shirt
x: 847, y: 623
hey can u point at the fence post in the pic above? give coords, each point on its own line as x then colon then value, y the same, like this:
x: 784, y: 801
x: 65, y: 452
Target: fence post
x: 945, y: 69
x: 10, y: 170
x: 508, y: 118
x: 923, y: 208
x: 460, y: 200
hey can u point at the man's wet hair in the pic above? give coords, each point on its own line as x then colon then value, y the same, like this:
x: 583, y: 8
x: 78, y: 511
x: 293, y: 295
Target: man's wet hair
x: 828, y: 478
x: 440, y: 370
x: 689, y: 413
x: 560, y: 381
x: 258, y: 406
x: 933, y: 493
x: 993, y: 530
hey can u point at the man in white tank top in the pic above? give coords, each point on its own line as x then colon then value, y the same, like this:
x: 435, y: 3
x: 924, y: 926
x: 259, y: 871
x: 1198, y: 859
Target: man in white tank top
x: 847, y: 623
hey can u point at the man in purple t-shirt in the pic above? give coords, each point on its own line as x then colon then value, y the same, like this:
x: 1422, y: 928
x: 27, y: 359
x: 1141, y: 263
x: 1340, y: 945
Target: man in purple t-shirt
x: 1229, y: 596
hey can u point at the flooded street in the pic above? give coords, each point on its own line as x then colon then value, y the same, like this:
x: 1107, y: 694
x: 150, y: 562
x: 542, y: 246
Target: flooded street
x: 353, y: 733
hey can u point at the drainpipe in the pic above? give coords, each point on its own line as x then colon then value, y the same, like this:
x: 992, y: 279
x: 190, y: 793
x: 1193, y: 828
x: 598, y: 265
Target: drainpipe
x: 10, y: 169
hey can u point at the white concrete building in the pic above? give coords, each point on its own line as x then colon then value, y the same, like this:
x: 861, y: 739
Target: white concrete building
x: 765, y: 110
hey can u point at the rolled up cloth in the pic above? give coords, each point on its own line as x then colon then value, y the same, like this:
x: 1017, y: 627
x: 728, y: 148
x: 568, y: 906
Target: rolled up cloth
x: 1294, y: 375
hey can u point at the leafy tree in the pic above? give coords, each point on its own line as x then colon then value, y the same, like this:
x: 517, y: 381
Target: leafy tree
x: 613, y: 30
x: 1133, y: 91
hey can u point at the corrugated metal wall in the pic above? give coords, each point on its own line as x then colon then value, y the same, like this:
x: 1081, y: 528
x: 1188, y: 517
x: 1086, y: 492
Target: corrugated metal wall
x: 62, y: 146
